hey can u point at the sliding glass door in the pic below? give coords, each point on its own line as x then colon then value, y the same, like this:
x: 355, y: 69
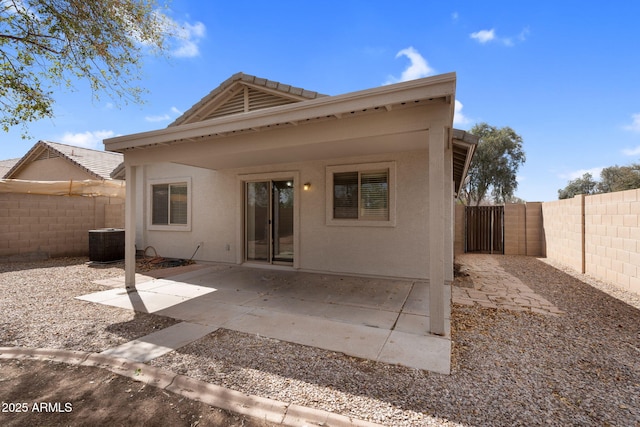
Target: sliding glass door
x: 269, y: 221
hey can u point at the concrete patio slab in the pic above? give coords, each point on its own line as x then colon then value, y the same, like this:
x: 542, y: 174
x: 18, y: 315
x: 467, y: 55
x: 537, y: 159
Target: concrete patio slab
x: 104, y: 296
x: 412, y: 323
x: 421, y: 352
x: 158, y: 343
x: 372, y: 317
x: 143, y: 301
x: 355, y: 340
x: 234, y: 296
x: 186, y: 290
x: 377, y: 319
x: 289, y: 305
x: 205, y: 312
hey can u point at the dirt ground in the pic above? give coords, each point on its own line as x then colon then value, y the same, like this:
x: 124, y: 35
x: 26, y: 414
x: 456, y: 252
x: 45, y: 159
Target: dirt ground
x: 39, y: 393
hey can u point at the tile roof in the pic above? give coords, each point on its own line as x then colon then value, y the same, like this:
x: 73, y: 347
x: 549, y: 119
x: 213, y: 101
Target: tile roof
x: 6, y: 165
x: 286, y: 93
x: 100, y: 164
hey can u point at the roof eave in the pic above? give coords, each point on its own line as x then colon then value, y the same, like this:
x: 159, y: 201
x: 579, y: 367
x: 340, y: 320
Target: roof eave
x: 469, y: 142
x: 427, y: 88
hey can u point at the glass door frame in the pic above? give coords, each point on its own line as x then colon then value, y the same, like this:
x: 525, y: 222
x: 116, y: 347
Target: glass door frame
x: 270, y: 177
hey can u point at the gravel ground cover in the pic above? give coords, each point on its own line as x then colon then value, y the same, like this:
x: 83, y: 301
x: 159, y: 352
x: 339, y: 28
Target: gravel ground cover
x: 38, y: 309
x: 508, y: 368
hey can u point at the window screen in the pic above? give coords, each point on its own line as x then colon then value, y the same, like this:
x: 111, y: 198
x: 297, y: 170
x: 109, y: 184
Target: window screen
x: 361, y: 195
x: 169, y: 204
x: 160, y: 208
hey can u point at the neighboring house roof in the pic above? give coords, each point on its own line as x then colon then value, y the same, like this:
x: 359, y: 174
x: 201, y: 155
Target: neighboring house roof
x: 242, y: 93
x: 6, y: 165
x: 99, y: 164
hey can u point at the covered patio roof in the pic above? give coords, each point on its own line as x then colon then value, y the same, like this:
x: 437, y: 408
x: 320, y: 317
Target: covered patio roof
x: 309, y: 128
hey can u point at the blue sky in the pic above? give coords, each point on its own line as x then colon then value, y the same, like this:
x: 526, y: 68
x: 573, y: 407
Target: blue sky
x: 565, y: 75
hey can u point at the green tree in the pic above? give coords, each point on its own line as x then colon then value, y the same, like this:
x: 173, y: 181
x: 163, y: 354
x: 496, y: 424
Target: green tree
x: 46, y: 45
x: 495, y: 164
x: 619, y: 178
x: 584, y: 185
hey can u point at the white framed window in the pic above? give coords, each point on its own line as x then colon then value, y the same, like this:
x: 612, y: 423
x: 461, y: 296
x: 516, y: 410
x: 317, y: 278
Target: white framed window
x: 361, y: 194
x: 169, y: 204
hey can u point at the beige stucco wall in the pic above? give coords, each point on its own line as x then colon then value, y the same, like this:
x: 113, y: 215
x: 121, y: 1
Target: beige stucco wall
x: 217, y: 219
x: 55, y: 169
x: 36, y: 226
x: 459, y: 229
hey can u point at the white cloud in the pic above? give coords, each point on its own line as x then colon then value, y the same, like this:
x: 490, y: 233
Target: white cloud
x: 635, y: 123
x: 188, y: 36
x: 523, y: 34
x: 161, y: 118
x: 455, y: 16
x: 595, y: 173
x: 459, y: 119
x: 164, y: 117
x: 484, y: 36
x: 89, y: 139
x: 631, y: 151
x: 418, y: 67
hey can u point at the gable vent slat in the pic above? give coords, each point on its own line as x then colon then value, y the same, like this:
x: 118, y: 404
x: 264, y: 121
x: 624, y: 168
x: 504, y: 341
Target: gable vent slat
x: 259, y: 100
x: 234, y: 105
x: 47, y: 154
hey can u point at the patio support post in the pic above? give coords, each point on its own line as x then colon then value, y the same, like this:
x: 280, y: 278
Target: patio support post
x: 437, y: 226
x: 130, y: 229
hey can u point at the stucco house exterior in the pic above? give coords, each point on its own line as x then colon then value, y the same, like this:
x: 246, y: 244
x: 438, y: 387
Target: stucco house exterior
x: 265, y: 174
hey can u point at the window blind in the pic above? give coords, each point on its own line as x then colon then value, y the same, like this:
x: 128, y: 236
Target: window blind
x: 374, y: 195
x: 178, y: 203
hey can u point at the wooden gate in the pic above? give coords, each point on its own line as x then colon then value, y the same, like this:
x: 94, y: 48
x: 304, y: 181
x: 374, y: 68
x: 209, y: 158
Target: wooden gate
x: 484, y: 229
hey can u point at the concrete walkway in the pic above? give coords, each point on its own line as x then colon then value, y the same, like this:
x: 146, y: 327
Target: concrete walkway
x: 274, y: 411
x: 495, y: 288
x: 376, y: 319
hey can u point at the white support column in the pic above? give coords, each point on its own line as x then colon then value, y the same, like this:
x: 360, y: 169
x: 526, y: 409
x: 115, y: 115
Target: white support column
x: 438, y: 230
x: 130, y: 229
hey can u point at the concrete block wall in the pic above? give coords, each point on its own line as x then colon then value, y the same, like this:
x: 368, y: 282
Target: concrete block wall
x: 114, y: 214
x: 515, y: 223
x: 612, y: 238
x: 38, y: 226
x: 534, y: 235
x: 563, y: 224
